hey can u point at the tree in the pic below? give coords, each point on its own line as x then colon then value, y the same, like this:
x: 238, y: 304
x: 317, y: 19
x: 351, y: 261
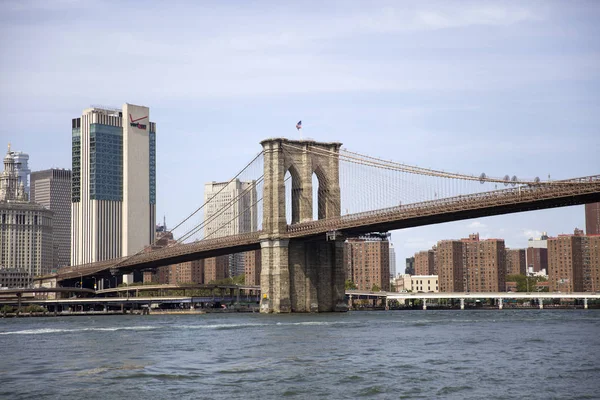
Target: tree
x: 375, y: 288
x: 526, y: 283
x: 350, y: 285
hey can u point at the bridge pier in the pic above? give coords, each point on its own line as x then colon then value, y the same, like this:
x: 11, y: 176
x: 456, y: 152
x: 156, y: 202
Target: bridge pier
x: 541, y: 302
x: 585, y: 304
x: 462, y: 304
x: 500, y: 305
x: 300, y: 275
x: 424, y: 304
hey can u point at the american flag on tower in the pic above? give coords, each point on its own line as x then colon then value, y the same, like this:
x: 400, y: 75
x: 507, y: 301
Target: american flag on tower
x: 299, y: 125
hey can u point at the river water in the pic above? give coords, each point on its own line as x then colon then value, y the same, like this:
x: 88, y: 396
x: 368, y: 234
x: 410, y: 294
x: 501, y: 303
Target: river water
x: 470, y: 354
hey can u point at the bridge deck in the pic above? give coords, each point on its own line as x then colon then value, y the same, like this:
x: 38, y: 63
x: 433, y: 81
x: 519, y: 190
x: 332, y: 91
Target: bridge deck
x: 522, y: 198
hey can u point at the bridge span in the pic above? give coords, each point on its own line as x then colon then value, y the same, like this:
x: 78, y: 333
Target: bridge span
x: 302, y: 261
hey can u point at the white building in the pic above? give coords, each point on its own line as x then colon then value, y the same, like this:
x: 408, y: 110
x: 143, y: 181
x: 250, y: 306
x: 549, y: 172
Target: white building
x: 424, y: 283
x: 392, y: 261
x: 26, y: 245
x: 114, y: 183
x: 230, y: 209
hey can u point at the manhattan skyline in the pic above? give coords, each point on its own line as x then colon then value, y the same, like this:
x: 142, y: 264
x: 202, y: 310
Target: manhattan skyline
x: 501, y: 88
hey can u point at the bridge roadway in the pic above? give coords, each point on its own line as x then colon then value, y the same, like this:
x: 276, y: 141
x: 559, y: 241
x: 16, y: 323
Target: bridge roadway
x: 497, y: 202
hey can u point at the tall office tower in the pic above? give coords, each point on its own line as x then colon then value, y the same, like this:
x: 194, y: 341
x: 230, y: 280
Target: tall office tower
x: 592, y: 219
x: 484, y: 264
x: 392, y: 261
x: 450, y: 266
x: 52, y: 189
x: 565, y: 262
x: 25, y: 228
x: 515, y: 262
x: 230, y: 210
x: 537, y: 254
x: 114, y: 183
x: 367, y: 261
x: 22, y: 168
x: 410, y: 266
x: 424, y: 262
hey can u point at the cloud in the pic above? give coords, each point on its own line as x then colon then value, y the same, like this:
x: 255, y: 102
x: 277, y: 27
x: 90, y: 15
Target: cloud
x: 476, y: 225
x: 530, y: 233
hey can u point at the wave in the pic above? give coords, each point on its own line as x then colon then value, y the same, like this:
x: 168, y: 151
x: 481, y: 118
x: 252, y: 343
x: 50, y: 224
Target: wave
x: 54, y: 330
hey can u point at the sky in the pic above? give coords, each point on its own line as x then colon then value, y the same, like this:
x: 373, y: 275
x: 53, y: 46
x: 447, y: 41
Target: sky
x: 502, y: 87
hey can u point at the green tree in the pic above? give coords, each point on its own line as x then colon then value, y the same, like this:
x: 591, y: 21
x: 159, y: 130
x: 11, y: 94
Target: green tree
x: 350, y: 285
x: 375, y: 288
x: 526, y: 283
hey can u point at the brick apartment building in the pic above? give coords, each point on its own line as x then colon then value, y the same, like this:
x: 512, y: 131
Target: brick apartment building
x: 367, y: 261
x: 515, y: 262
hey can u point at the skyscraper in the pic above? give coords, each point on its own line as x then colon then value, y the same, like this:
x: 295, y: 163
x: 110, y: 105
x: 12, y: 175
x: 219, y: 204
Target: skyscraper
x: 114, y: 183
x: 230, y: 210
x: 52, y: 189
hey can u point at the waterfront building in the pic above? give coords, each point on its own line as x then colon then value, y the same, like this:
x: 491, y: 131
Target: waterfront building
x: 450, y: 266
x: 113, y: 183
x: 592, y: 219
x: 367, y: 262
x: 565, y: 262
x: 425, y: 262
x: 52, y: 189
x: 515, y: 262
x: 26, y: 244
x: 230, y: 209
x: 424, y: 283
x: 484, y: 264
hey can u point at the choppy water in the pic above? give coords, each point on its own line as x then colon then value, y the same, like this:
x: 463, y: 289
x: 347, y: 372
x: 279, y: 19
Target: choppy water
x: 470, y: 354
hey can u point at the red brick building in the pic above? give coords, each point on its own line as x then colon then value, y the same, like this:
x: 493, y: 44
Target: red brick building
x: 515, y: 262
x: 367, y: 261
x: 592, y: 219
x: 425, y: 262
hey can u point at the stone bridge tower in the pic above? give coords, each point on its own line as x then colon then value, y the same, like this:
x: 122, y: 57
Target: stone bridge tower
x: 300, y: 275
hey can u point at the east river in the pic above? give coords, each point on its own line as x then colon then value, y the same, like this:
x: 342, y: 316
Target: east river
x: 470, y: 354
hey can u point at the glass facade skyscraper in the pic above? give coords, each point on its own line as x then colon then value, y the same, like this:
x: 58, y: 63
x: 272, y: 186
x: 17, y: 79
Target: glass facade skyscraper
x: 114, y: 183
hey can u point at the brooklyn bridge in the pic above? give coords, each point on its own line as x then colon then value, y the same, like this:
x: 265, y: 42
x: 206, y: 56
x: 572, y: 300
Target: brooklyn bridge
x: 308, y: 196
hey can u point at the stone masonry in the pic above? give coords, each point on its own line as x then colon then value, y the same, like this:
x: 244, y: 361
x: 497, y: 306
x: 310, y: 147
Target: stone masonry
x: 300, y: 275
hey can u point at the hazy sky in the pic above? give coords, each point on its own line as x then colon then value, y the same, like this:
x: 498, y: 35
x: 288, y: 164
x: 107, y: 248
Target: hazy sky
x: 501, y: 87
